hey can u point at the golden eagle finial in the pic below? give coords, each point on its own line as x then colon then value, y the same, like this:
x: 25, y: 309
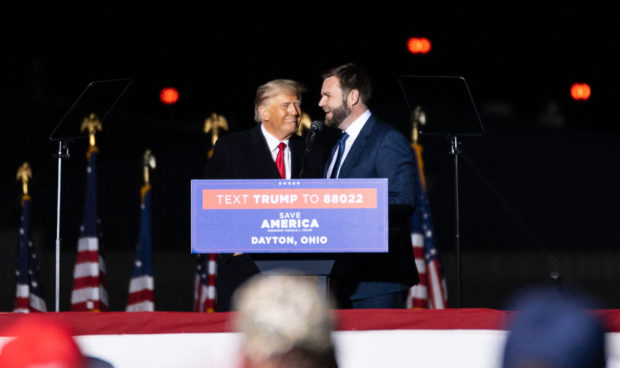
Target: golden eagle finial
x: 24, y: 173
x: 92, y: 124
x: 213, y: 124
x: 304, y: 124
x: 418, y: 119
x: 148, y: 161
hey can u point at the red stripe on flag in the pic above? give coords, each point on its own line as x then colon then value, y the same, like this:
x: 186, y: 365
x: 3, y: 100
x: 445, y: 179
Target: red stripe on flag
x: 87, y: 256
x: 84, y: 282
x: 22, y: 303
x: 418, y: 253
x: 436, y: 292
x: 419, y: 303
x: 423, y: 279
x: 140, y: 296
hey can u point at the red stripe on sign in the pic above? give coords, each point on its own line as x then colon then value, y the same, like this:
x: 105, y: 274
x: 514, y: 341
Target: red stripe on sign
x: 233, y: 199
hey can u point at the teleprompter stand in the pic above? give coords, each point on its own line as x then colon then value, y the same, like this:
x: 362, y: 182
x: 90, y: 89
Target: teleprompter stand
x: 450, y: 111
x: 98, y: 98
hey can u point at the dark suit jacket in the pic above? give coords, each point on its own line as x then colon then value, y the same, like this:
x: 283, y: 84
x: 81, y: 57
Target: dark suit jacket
x: 380, y: 151
x: 245, y: 155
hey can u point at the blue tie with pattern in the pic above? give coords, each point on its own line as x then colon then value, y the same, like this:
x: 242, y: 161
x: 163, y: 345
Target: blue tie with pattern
x: 340, y: 147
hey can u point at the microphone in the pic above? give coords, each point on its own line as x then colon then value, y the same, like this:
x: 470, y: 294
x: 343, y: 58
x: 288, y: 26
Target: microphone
x: 315, y: 128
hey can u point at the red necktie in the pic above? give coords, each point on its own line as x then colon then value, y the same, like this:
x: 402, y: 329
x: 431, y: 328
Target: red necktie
x: 280, y: 160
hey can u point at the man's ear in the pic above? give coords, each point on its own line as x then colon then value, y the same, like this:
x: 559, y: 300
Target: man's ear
x: 263, y: 113
x: 353, y: 98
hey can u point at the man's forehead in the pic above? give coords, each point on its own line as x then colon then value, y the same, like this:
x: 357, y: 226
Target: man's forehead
x: 331, y: 84
x: 285, y: 96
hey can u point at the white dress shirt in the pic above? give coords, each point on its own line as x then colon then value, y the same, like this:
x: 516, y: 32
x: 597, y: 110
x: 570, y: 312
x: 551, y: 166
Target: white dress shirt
x: 353, y: 131
x: 273, y: 143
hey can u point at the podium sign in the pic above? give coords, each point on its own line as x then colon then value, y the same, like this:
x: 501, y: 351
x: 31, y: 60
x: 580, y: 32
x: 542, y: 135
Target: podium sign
x: 289, y: 216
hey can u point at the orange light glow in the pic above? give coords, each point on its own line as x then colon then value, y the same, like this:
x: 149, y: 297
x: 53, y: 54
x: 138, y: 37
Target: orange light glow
x: 169, y: 95
x: 580, y: 91
x: 419, y: 45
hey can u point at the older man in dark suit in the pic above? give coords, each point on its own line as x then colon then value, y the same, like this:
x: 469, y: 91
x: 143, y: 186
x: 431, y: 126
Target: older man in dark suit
x: 270, y: 150
x: 370, y: 148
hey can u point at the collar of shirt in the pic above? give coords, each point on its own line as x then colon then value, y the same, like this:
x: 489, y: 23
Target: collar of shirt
x: 272, y: 143
x: 354, y: 130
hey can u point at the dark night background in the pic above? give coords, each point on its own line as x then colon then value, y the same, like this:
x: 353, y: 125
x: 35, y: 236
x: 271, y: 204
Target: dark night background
x: 538, y: 192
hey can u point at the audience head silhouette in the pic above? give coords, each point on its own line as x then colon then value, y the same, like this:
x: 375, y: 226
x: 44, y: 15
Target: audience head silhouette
x: 284, y: 321
x: 551, y: 329
x: 44, y: 343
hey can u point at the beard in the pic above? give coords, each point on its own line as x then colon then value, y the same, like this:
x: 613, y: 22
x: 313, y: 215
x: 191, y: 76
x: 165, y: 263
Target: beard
x: 338, y: 115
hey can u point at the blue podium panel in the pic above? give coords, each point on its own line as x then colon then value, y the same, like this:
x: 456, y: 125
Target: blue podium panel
x: 289, y: 216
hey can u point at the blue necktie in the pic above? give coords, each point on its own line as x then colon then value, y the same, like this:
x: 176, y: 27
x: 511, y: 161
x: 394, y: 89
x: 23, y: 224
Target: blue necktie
x: 340, y: 147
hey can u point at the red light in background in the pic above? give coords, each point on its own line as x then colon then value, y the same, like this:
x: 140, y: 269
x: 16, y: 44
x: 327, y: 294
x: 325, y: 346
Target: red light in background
x: 419, y: 45
x: 580, y: 91
x: 169, y: 95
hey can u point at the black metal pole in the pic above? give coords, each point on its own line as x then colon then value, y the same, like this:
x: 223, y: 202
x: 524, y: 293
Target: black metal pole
x: 454, y: 150
x: 63, y: 152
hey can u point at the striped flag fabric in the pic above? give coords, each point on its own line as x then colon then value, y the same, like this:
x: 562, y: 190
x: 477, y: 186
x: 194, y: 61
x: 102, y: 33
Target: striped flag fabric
x: 206, y: 264
x: 29, y: 294
x: 204, y: 284
x: 431, y: 292
x: 142, y: 285
x: 89, y: 289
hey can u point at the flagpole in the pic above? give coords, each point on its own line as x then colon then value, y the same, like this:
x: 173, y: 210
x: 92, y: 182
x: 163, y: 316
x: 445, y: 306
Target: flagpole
x: 142, y: 284
x: 29, y: 289
x: 454, y: 150
x: 206, y: 268
x: 61, y: 146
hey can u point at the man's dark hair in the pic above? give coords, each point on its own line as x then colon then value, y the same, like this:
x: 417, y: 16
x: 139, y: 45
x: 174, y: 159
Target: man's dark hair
x: 352, y: 76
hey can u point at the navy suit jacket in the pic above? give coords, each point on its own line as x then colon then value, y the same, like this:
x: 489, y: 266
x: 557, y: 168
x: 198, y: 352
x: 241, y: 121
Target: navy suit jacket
x: 380, y: 151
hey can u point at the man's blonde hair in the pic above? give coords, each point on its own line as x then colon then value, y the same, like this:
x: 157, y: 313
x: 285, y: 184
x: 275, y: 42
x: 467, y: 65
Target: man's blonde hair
x: 274, y: 88
x: 284, y: 317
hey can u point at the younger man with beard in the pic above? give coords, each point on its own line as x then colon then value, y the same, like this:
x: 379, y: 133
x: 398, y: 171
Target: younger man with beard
x: 372, y: 149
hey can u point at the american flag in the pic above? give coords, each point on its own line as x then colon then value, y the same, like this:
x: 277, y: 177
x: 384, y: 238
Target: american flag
x: 206, y: 271
x: 141, y: 285
x: 204, y: 284
x: 89, y: 291
x: 29, y: 293
x: 431, y: 292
